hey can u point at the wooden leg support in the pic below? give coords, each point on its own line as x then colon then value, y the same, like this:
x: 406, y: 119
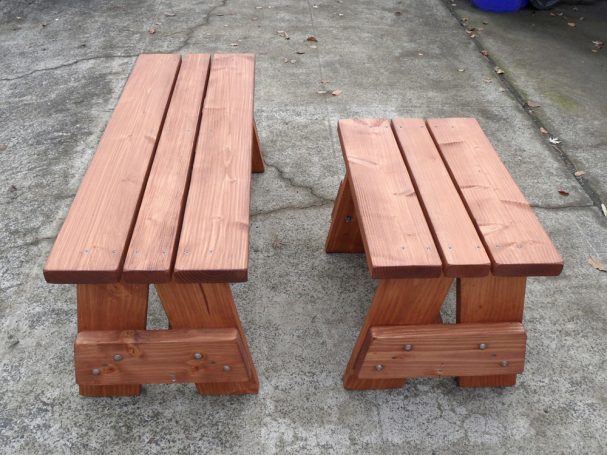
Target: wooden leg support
x: 257, y: 165
x: 116, y: 306
x: 490, y: 299
x: 344, y: 234
x: 397, y: 302
x: 210, y: 306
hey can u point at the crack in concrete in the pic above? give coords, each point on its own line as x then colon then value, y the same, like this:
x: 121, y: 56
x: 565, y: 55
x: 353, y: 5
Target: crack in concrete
x: 584, y: 183
x: 290, y: 182
x: 65, y: 65
x: 289, y: 208
x: 557, y: 207
x: 33, y: 242
x: 194, y: 28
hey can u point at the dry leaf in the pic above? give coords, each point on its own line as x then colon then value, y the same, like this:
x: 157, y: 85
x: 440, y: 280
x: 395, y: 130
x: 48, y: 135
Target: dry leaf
x: 485, y: 53
x: 543, y: 130
x: 286, y: 60
x: 311, y: 38
x: 461, y: 70
x: 571, y: 24
x: 563, y: 193
x: 336, y: 92
x: 498, y: 70
x: 597, y: 264
x: 533, y: 104
x: 169, y: 14
x: 321, y: 92
x: 579, y: 173
x: 282, y: 33
x: 3, y: 147
x: 554, y: 140
x: 604, y: 209
x: 151, y: 30
x: 300, y: 52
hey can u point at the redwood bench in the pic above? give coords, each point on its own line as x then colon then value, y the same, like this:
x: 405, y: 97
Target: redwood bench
x: 430, y: 202
x: 165, y: 201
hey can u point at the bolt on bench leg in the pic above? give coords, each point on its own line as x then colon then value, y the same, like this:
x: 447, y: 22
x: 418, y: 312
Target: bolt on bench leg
x: 405, y: 301
x: 344, y: 234
x: 115, y: 306
x: 490, y: 299
x: 208, y: 306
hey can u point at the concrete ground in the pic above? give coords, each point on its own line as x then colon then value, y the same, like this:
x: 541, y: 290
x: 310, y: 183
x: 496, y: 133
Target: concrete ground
x: 63, y: 65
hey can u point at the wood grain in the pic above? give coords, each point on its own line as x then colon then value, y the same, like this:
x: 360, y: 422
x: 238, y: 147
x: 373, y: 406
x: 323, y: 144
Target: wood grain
x: 459, y: 245
x: 210, y: 306
x: 115, y: 306
x: 153, y: 246
x: 397, y: 302
x: 158, y: 357
x: 490, y: 299
x: 257, y: 161
x: 214, y: 243
x: 513, y: 237
x: 397, y: 240
x: 443, y: 350
x: 91, y: 245
x: 344, y: 234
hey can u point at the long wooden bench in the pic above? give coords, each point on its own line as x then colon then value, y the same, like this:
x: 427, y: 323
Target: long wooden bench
x: 430, y: 202
x: 165, y: 200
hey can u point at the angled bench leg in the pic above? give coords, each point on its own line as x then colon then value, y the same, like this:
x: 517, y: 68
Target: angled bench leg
x: 208, y: 306
x: 115, y: 306
x: 490, y: 299
x: 257, y: 165
x: 344, y: 234
x: 403, y: 301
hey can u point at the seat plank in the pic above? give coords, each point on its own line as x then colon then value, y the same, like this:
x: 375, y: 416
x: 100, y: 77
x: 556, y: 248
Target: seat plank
x: 91, y: 245
x: 514, y: 238
x: 458, y: 243
x: 214, y: 242
x: 397, y: 240
x: 154, y: 241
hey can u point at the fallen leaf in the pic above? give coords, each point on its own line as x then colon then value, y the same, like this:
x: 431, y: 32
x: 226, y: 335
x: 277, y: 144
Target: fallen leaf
x: 300, y: 52
x: 44, y: 24
x: 283, y: 34
x: 286, y: 60
x: 461, y: 70
x: 604, y: 209
x: 312, y: 38
x: 571, y: 24
x: 485, y: 53
x: 533, y: 104
x: 485, y: 23
x: 151, y: 30
x: 258, y: 7
x: 3, y: 147
x: 543, y: 130
x: 597, y: 264
x: 336, y: 92
x: 321, y: 92
x: 598, y: 44
x: 579, y: 173
x: 169, y: 14
x: 563, y: 193
x: 498, y: 70
x: 554, y: 140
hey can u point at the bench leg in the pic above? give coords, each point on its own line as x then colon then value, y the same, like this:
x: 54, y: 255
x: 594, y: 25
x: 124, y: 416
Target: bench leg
x: 208, y: 306
x: 116, y: 306
x: 490, y: 299
x: 404, y: 301
x: 344, y: 234
x: 257, y: 165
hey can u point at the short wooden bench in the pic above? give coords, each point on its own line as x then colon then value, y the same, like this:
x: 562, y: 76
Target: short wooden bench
x: 430, y: 202
x: 165, y: 201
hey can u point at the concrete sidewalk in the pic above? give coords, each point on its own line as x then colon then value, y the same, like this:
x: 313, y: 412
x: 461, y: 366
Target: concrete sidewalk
x: 63, y: 67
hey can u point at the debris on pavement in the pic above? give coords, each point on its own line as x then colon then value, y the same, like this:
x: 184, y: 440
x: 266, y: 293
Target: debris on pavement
x: 579, y: 173
x: 598, y: 265
x: 312, y: 38
x: 554, y: 140
x: 3, y: 147
x: 336, y: 92
x: 152, y: 30
x: 498, y: 70
x: 564, y: 193
x: 283, y: 34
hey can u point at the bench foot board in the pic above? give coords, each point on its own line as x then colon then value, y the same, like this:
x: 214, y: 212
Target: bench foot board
x: 344, y: 234
x: 209, y: 306
x: 406, y: 301
x: 115, y: 306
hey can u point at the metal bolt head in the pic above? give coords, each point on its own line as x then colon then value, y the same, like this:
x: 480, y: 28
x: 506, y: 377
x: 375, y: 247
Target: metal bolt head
x: 117, y: 357
x: 197, y: 355
x: 348, y: 219
x: 504, y: 363
x: 227, y: 368
x: 408, y: 347
x: 379, y: 367
x: 482, y: 346
x: 96, y: 371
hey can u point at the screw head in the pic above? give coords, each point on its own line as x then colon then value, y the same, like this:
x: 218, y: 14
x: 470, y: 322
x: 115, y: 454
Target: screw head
x: 227, y: 368
x: 96, y: 371
x: 117, y: 357
x: 197, y: 355
x: 504, y: 363
x: 379, y: 367
x: 408, y: 347
x: 348, y: 219
x: 482, y: 346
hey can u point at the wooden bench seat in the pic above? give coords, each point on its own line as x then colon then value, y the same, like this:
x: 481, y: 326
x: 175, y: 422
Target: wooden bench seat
x: 429, y: 202
x: 165, y: 200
